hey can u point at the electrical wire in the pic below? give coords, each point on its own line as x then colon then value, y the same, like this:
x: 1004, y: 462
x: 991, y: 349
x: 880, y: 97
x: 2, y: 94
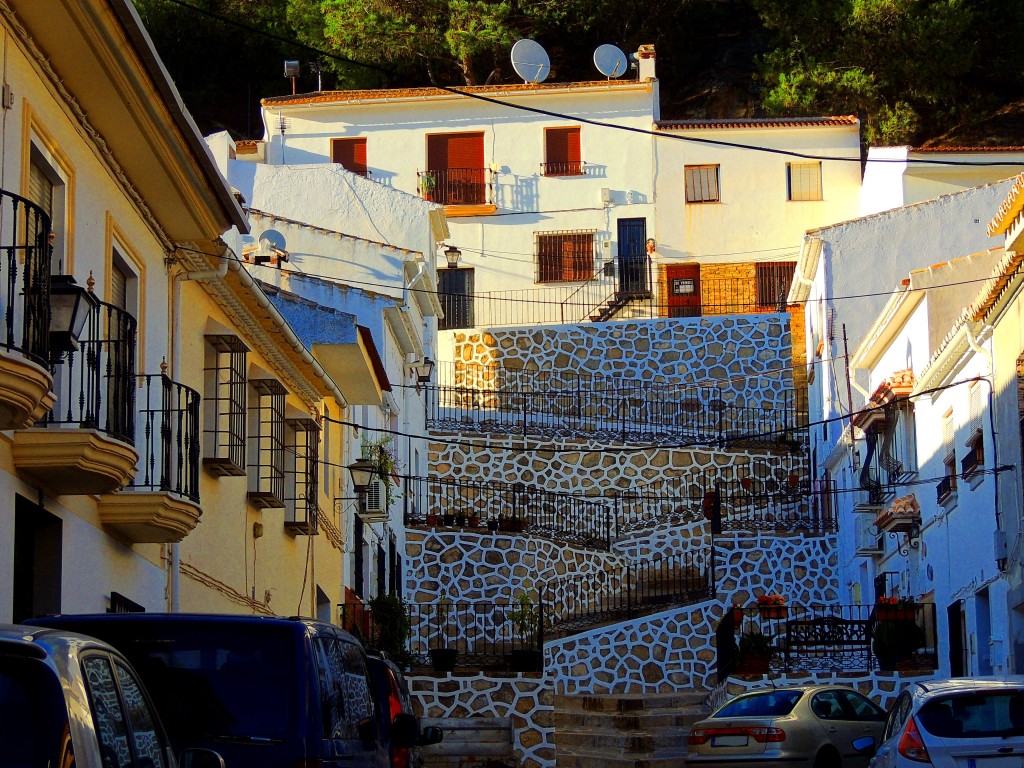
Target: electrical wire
x: 588, y: 121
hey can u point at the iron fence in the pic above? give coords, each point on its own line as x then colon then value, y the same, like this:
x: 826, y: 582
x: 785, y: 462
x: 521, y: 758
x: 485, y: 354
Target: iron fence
x: 835, y: 638
x: 454, y: 186
x: 25, y: 278
x: 167, y: 437
x: 95, y: 385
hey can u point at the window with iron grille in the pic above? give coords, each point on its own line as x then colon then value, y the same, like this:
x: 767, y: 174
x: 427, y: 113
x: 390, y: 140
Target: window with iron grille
x: 350, y: 154
x: 701, y: 183
x: 773, y: 279
x: 266, y: 443
x: 803, y: 181
x: 455, y: 292
x: 948, y: 484
x: 562, y: 152
x: 224, y: 404
x: 565, y: 256
x: 302, y: 459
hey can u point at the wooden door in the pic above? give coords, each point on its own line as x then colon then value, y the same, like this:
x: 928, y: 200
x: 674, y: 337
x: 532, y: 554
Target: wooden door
x: 683, y: 282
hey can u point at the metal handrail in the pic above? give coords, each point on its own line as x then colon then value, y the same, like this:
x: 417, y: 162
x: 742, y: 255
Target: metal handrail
x: 25, y: 277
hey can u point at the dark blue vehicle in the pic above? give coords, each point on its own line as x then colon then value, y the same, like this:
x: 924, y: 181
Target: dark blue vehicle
x: 263, y: 692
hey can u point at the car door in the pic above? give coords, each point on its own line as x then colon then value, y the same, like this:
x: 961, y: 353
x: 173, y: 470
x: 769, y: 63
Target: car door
x: 899, y: 712
x: 125, y: 723
x: 842, y: 724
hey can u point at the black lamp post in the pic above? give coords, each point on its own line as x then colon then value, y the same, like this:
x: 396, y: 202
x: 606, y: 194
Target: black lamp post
x: 453, y: 255
x: 362, y: 471
x: 70, y: 306
x: 424, y: 370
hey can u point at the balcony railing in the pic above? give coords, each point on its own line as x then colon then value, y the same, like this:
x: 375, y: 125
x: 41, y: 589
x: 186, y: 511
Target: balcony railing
x: 96, y: 384
x: 25, y: 277
x: 454, y: 186
x: 836, y: 638
x: 167, y: 438
x: 567, y: 404
x: 564, y: 168
x: 507, y: 507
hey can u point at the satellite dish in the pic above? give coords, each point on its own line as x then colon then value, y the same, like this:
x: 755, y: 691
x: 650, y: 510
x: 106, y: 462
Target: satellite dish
x: 530, y: 61
x: 610, y: 60
x: 274, y: 238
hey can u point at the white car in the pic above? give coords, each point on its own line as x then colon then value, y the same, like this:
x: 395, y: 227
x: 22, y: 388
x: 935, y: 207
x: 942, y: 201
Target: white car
x: 955, y: 723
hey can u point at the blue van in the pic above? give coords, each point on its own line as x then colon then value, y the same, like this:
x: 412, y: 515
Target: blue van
x: 263, y: 692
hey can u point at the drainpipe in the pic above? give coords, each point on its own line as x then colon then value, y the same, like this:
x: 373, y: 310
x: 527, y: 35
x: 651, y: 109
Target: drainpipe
x: 972, y: 342
x: 174, y: 554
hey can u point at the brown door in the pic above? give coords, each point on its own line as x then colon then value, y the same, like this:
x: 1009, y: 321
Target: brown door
x: 683, y: 290
x: 456, y: 162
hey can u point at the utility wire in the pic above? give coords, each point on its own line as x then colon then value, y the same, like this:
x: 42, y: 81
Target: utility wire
x: 589, y: 121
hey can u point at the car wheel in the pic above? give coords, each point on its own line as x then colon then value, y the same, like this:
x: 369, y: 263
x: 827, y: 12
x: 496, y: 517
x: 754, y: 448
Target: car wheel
x: 828, y: 758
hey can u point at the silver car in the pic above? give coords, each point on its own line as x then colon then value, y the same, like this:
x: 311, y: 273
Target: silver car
x: 71, y: 701
x: 825, y: 726
x: 955, y: 723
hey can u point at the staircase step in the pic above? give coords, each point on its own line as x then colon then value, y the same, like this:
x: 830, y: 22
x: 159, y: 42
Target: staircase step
x: 595, y: 759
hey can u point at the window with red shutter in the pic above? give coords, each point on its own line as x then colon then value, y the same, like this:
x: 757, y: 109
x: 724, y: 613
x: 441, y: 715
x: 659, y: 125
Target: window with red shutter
x: 565, y: 256
x: 350, y: 154
x: 562, y: 152
x: 455, y: 168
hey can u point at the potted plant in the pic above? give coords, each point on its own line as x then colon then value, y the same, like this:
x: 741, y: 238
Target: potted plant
x: 736, y: 612
x: 527, y: 655
x: 772, y: 605
x: 473, y: 521
x: 390, y: 627
x: 433, y: 518
x: 442, y: 656
x: 461, y: 520
x: 492, y: 524
x: 894, y: 642
x: 428, y: 182
x: 755, y: 653
x: 889, y: 608
x: 448, y: 518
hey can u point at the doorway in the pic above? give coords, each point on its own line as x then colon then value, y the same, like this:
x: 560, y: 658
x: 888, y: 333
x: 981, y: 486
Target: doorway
x: 683, y: 281
x: 38, y: 558
x: 633, y: 271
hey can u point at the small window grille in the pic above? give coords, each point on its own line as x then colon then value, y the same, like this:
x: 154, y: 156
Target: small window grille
x: 701, y: 183
x: 266, y: 462
x: 302, y: 460
x: 565, y: 256
x: 773, y: 279
x: 224, y: 403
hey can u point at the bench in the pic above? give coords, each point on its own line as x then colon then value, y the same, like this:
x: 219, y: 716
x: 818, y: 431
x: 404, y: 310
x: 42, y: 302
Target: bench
x: 482, y: 742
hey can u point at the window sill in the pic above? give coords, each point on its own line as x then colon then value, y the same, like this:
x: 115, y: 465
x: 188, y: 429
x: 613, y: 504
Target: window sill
x: 948, y: 502
x: 480, y: 209
x: 703, y: 202
x: 974, y: 478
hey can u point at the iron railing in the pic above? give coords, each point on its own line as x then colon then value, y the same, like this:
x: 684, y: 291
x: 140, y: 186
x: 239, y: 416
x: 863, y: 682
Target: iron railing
x: 580, y: 601
x: 167, y: 438
x: 511, y: 507
x: 836, y: 638
x: 565, y: 403
x: 96, y: 384
x: 25, y: 277
x: 563, y: 168
x: 454, y: 186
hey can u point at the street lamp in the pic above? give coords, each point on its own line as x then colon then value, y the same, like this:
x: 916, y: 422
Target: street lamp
x: 70, y: 306
x: 453, y: 255
x: 362, y: 471
x: 424, y: 370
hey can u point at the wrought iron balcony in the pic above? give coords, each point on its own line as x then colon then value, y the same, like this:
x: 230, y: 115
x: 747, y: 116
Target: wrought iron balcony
x: 507, y: 507
x: 564, y: 168
x: 25, y: 380
x: 455, y: 186
x: 567, y: 404
x: 167, y: 438
x: 84, y: 444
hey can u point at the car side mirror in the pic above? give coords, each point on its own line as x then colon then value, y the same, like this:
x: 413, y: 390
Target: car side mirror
x: 404, y: 730
x: 431, y: 735
x: 368, y: 730
x: 200, y: 758
x: 865, y: 745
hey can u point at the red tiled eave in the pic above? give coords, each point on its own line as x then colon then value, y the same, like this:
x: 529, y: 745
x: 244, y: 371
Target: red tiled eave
x: 387, y: 94
x: 1009, y: 209
x: 775, y: 122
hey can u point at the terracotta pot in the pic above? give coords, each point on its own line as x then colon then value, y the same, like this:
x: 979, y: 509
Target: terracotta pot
x: 773, y: 611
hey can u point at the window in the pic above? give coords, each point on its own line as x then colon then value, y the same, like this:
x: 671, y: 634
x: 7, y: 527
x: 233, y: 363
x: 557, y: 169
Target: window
x: 773, y: 279
x: 946, y: 491
x: 302, y: 460
x: 803, y: 181
x: 345, y: 698
x: 266, y: 443
x: 350, y: 154
x: 48, y: 182
x: 455, y: 172
x: 455, y: 290
x: 224, y: 403
x: 565, y: 256
x: 562, y: 152
x: 701, y: 183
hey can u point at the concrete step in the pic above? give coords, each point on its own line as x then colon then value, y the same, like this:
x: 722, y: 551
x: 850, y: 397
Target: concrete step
x: 621, y: 742
x: 590, y: 759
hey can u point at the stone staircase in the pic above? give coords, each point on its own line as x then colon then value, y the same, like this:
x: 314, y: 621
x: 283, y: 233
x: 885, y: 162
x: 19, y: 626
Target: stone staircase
x: 624, y: 730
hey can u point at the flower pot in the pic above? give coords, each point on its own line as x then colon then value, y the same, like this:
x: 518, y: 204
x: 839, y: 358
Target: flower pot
x: 737, y: 616
x: 443, y: 659
x: 893, y: 613
x: 474, y: 521
x: 461, y: 520
x: 433, y: 519
x: 753, y: 664
x: 492, y: 525
x: 526, y: 660
x: 773, y: 611
x: 449, y: 519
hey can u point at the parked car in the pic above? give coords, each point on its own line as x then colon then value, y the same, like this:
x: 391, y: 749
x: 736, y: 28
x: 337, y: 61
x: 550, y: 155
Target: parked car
x: 955, y: 722
x: 263, y: 692
x: 825, y: 726
x: 400, y: 727
x: 67, y: 700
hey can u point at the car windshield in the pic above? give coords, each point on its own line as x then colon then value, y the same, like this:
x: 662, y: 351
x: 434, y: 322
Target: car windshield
x: 988, y: 714
x: 766, y: 704
x: 32, y: 713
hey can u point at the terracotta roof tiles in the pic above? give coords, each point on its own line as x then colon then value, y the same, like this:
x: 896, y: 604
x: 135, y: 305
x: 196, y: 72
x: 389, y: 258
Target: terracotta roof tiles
x: 758, y: 122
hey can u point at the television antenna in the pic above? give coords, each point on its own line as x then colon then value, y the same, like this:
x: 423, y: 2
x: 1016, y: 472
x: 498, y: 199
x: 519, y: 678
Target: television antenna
x: 610, y: 60
x: 530, y: 61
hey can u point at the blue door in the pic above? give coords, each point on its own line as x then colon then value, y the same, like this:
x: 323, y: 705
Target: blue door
x: 633, y: 272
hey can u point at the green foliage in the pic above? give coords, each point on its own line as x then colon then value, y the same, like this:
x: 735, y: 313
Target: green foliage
x: 755, y: 643
x: 525, y: 618
x: 896, y: 640
x: 390, y: 627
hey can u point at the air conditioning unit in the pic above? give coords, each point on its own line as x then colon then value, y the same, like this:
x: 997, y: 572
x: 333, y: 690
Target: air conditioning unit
x: 375, y: 510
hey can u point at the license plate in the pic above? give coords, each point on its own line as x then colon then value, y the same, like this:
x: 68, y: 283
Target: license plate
x: 733, y: 740
x: 1009, y: 761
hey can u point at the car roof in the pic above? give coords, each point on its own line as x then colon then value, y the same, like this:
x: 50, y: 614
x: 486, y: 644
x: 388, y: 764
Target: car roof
x: 45, y: 642
x: 931, y: 688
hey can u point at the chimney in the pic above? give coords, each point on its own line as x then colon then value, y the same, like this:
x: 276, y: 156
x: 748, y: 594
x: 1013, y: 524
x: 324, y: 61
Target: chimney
x: 645, y: 58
